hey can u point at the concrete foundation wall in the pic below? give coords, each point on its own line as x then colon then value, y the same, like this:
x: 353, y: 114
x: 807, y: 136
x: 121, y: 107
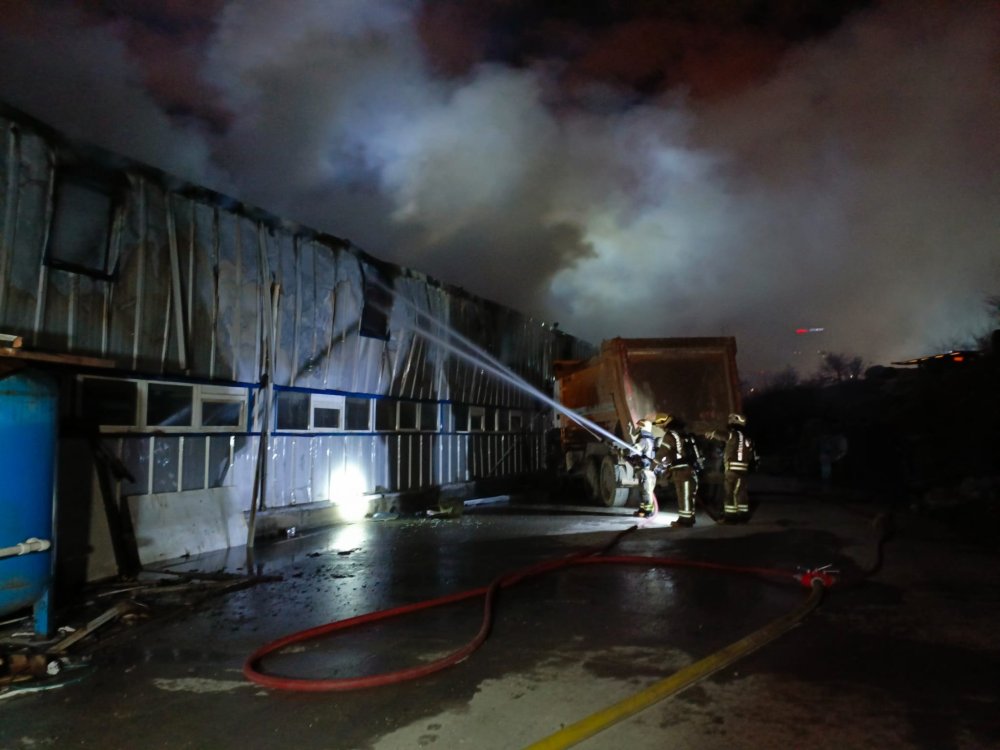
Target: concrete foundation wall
x: 188, y: 523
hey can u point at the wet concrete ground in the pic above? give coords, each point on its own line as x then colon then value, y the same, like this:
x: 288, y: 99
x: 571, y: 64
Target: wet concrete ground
x: 908, y: 657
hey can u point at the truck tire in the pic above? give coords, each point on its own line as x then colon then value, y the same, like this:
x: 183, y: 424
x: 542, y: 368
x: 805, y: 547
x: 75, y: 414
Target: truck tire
x: 611, y: 495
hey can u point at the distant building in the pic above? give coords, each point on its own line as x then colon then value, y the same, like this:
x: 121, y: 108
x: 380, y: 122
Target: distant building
x: 953, y: 358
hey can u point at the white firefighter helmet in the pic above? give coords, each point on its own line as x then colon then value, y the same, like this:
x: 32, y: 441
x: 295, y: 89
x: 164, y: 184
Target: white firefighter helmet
x: 645, y: 424
x: 737, y: 420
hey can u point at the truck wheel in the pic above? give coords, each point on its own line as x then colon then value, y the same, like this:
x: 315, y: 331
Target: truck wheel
x: 611, y: 495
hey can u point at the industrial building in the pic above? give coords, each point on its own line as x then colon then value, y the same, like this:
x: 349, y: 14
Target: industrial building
x: 215, y: 372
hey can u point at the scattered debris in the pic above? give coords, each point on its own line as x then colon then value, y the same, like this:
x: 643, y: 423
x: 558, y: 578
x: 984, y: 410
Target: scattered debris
x: 120, y: 608
x: 47, y: 664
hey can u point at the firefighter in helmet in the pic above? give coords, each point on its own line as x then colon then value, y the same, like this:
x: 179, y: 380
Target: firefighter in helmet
x: 738, y: 456
x: 644, y: 447
x: 675, y: 455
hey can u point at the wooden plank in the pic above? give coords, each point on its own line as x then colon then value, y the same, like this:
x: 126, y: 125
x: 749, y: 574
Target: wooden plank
x: 120, y: 608
x: 57, y: 359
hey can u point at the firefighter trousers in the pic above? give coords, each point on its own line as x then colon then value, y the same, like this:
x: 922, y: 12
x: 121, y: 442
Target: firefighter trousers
x: 647, y: 485
x: 737, y: 499
x: 683, y: 480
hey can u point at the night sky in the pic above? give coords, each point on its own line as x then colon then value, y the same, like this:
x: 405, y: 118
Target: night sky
x: 632, y: 168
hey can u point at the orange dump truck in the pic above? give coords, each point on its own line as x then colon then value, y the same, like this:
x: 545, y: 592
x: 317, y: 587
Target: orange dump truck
x: 694, y: 379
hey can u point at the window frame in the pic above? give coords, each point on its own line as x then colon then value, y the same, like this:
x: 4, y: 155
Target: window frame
x: 221, y: 394
x: 369, y: 425
x: 391, y: 407
x: 106, y: 185
x: 200, y: 393
x: 417, y: 408
x: 476, y: 414
x: 277, y: 414
x: 327, y: 401
x: 434, y: 410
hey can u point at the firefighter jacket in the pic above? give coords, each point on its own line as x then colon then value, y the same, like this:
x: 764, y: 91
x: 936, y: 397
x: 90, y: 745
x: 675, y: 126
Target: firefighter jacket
x: 672, y: 451
x: 738, y: 454
x: 645, y: 446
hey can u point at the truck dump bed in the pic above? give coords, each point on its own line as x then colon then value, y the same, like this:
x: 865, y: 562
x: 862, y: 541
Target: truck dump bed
x: 694, y: 379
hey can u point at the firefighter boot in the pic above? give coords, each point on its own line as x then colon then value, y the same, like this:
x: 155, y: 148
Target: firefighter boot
x: 683, y: 522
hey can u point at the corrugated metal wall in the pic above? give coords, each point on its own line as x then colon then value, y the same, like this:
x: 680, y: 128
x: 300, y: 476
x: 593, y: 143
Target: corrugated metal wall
x: 200, y: 288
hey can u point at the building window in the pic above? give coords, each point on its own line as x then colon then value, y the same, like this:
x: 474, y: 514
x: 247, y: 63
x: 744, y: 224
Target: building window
x: 167, y: 451
x: 378, y: 300
x: 409, y: 413
x: 168, y: 405
x: 429, y: 419
x: 385, y: 415
x: 311, y: 412
x: 108, y: 402
x: 516, y: 421
x: 293, y: 410
x: 460, y: 417
x: 357, y: 414
x: 83, y: 212
x: 221, y: 413
x: 222, y: 408
x: 477, y: 419
x: 137, y: 405
x: 327, y: 412
x: 325, y: 418
x: 217, y: 411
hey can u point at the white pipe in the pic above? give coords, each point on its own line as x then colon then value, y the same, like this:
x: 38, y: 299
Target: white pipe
x: 23, y: 548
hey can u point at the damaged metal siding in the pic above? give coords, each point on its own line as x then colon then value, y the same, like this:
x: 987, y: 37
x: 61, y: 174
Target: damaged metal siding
x: 200, y: 288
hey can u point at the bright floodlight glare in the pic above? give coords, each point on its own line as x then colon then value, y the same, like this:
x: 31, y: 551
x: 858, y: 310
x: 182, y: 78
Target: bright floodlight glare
x: 346, y: 491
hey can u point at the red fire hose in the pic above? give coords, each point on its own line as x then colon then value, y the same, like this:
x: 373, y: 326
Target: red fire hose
x: 252, y: 671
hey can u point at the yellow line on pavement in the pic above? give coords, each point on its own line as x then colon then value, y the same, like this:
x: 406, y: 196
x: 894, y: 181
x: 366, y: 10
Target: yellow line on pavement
x: 598, y: 722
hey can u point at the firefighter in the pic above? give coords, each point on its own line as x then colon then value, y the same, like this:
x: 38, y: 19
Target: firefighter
x: 675, y: 455
x: 644, y: 449
x: 738, y: 456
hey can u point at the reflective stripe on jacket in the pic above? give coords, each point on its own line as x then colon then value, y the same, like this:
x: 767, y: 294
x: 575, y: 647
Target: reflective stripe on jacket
x: 675, y: 444
x: 738, y: 451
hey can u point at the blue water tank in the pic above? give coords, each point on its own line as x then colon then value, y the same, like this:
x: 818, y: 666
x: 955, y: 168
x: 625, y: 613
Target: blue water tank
x: 28, y: 420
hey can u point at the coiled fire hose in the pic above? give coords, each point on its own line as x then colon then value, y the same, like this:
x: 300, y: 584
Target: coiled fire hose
x: 253, y: 672
x: 816, y: 580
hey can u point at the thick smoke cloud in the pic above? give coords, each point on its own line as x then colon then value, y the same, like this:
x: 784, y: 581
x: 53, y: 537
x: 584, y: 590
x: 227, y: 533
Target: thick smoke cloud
x: 856, y: 189
x: 80, y: 79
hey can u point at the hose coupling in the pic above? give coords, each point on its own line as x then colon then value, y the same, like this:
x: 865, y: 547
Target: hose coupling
x: 27, y: 546
x: 825, y: 574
